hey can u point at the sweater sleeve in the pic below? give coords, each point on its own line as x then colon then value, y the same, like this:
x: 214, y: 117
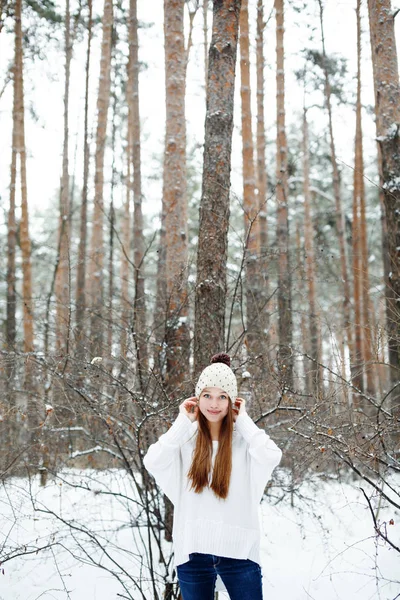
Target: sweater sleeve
x: 163, y: 459
x: 264, y: 453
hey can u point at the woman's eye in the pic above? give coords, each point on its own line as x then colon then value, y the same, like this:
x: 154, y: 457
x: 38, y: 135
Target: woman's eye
x: 223, y: 397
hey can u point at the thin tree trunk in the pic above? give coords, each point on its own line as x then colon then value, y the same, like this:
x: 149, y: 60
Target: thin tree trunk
x: 387, y: 109
x: 314, y: 333
x: 262, y: 180
x: 63, y: 272
x: 160, y: 311
x: 339, y: 210
x: 111, y: 253
x: 250, y: 199
x: 304, y: 322
x: 363, y: 341
x: 81, y: 269
x: 24, y: 227
x: 96, y: 262
x: 126, y: 243
x: 11, y: 322
x: 139, y: 304
x: 210, y: 299
x: 28, y: 347
x: 284, y: 276
x: 11, y: 327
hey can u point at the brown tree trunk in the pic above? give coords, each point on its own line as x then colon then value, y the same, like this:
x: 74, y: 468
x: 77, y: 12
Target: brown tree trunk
x: 314, y: 332
x: 24, y: 226
x: 80, y: 337
x: 160, y: 311
x: 339, y: 210
x: 284, y: 277
x: 62, y: 288
x: 8, y: 428
x: 387, y: 109
x: 262, y: 181
x: 175, y: 198
x: 28, y: 347
x: 250, y: 199
x: 96, y: 262
x: 11, y: 327
x: 139, y: 304
x: 210, y: 298
x: 111, y: 249
x: 362, y: 316
x: 126, y: 242
x: 304, y: 322
x: 368, y: 326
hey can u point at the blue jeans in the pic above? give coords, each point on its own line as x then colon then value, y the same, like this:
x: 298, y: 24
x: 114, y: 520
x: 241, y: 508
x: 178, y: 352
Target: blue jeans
x: 242, y: 577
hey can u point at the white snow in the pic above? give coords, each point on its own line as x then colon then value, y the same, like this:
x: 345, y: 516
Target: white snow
x: 96, y: 360
x: 321, y: 548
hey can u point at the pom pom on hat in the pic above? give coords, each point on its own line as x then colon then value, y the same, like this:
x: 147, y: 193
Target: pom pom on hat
x: 218, y: 374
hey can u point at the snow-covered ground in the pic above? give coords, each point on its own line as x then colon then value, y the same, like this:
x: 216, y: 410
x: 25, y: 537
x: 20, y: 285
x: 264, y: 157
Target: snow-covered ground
x: 322, y: 548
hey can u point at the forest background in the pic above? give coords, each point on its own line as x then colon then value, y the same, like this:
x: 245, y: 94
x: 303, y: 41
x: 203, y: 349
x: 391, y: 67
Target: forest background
x: 135, y: 244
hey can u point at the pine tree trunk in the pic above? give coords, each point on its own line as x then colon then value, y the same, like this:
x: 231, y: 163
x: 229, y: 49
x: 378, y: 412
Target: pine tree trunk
x: 63, y: 272
x: 210, y: 298
x: 8, y: 428
x: 250, y: 199
x: 175, y: 198
x: 362, y: 317
x: 139, y: 305
x: 126, y: 243
x: 11, y: 326
x: 284, y: 276
x: 24, y: 227
x: 31, y: 406
x: 314, y: 332
x: 111, y: 246
x: 387, y: 109
x: 262, y: 181
x: 339, y: 210
x: 96, y: 262
x: 80, y: 338
x: 160, y: 311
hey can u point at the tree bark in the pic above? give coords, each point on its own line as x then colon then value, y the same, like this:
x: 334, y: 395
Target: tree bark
x: 62, y: 287
x: 362, y: 315
x: 262, y: 180
x: 126, y: 244
x: 314, y: 332
x: 175, y: 198
x: 96, y: 262
x: 139, y: 303
x: 284, y: 276
x: 250, y: 199
x: 210, y: 298
x: 387, y: 109
x: 80, y: 338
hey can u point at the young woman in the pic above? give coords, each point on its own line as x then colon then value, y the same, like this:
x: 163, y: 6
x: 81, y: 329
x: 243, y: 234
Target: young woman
x: 213, y: 464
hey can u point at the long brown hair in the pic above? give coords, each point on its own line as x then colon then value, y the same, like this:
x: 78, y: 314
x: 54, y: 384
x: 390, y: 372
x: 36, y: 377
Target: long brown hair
x: 200, y: 469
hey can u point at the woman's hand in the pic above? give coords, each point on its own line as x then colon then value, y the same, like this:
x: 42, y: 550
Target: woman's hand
x: 239, y: 408
x: 189, y: 407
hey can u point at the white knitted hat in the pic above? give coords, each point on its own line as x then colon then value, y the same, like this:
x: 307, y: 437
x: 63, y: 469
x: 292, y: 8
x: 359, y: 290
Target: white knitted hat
x: 218, y: 374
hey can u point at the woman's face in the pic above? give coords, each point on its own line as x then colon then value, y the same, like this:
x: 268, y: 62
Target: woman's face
x: 213, y: 403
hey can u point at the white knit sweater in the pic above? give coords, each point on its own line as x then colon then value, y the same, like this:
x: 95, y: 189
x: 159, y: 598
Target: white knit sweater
x: 203, y: 522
